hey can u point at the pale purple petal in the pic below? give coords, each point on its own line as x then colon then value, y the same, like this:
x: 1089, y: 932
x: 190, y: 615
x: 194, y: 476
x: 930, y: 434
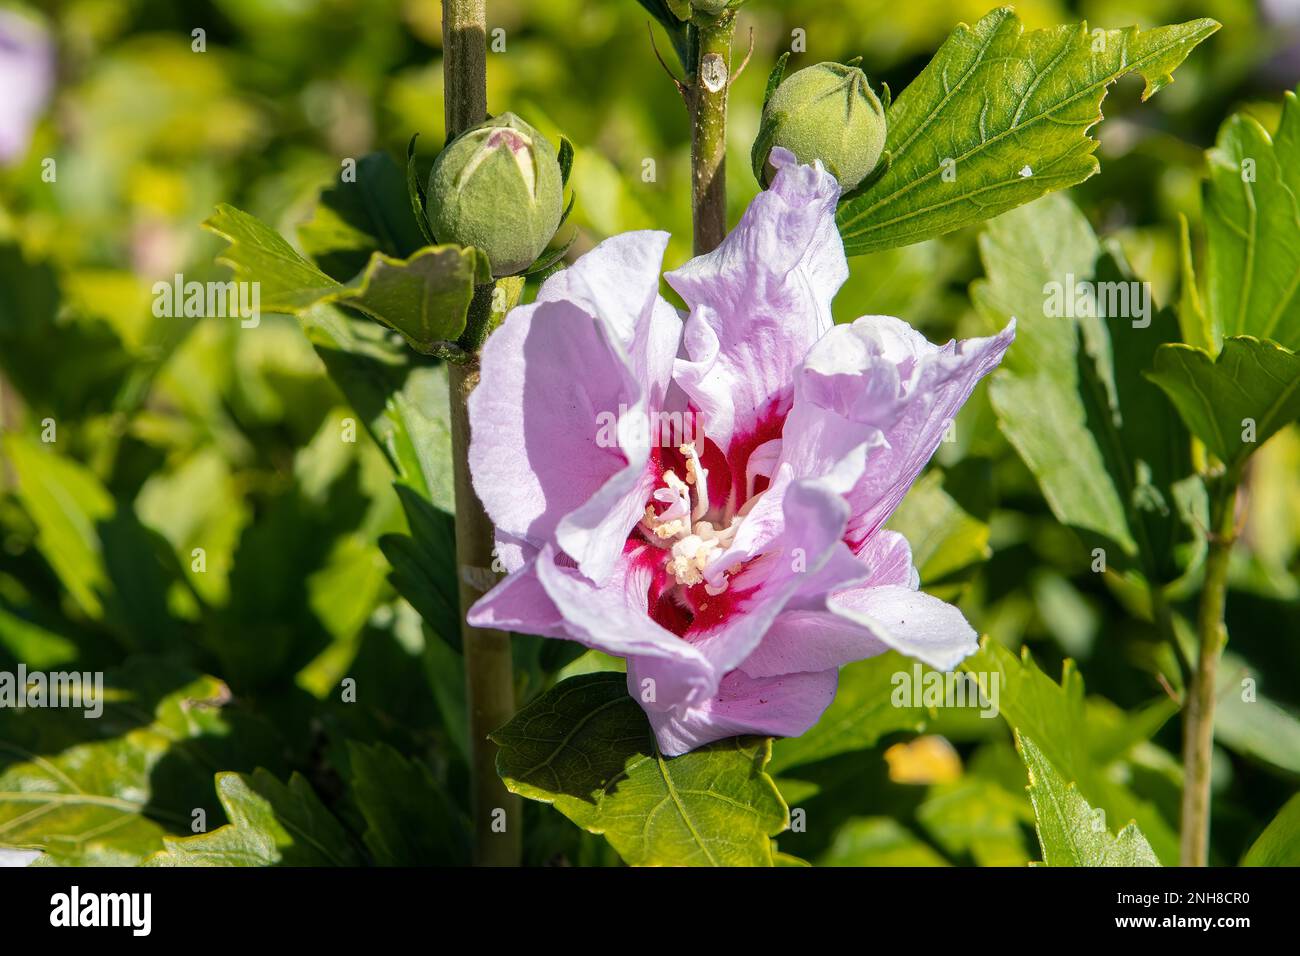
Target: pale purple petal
x: 760, y: 300
x: 614, y: 617
x: 811, y: 640
x: 808, y: 554
x: 535, y: 452
x: 519, y: 603
x: 809, y: 637
x: 935, y: 383
x: 913, y: 622
x: 618, y: 282
x: 784, y: 706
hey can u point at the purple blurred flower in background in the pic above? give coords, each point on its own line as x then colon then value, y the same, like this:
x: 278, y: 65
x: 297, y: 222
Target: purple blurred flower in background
x: 26, y: 79
x: 738, y: 565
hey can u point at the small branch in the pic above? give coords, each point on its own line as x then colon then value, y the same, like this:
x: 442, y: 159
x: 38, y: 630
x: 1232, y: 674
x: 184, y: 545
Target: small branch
x: 681, y: 87
x: 1198, y: 718
x: 709, y: 83
x: 1169, y: 690
x: 745, y: 62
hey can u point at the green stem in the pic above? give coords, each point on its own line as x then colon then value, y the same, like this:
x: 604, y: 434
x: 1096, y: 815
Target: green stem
x: 489, y: 674
x: 464, y: 64
x: 710, y: 81
x: 1198, y: 713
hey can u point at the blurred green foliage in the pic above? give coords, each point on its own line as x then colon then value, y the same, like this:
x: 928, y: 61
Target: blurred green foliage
x: 178, y: 434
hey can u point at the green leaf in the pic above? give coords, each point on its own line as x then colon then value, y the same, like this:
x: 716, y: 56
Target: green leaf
x: 1054, y: 716
x: 1036, y: 392
x: 198, y: 504
x: 1070, y: 831
x: 1253, y: 724
x: 977, y: 816
x: 775, y: 77
x: 424, y: 565
x: 565, y: 158
x: 1279, y: 844
x: 586, y: 747
x: 401, y: 398
x: 1252, y: 221
x: 1012, y: 111
x: 354, y: 219
x: 1250, y: 381
x: 257, y: 253
x: 1070, y: 395
x: 415, y: 193
x: 270, y: 825
x: 863, y: 711
x: 1193, y: 321
x: 66, y: 503
x: 106, y: 791
x: 410, y: 819
x: 114, y: 568
x: 425, y: 297
x: 878, y: 841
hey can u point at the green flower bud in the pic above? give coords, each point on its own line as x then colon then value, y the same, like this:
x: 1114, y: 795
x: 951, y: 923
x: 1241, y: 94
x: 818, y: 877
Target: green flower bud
x: 825, y: 112
x: 497, y: 186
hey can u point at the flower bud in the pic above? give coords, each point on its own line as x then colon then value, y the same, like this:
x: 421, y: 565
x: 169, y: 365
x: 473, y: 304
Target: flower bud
x: 825, y: 112
x: 497, y: 186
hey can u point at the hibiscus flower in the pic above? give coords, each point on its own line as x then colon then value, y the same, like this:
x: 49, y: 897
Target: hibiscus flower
x: 738, y: 566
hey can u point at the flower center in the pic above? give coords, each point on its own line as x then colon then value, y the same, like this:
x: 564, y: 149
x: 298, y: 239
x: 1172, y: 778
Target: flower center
x: 693, y: 543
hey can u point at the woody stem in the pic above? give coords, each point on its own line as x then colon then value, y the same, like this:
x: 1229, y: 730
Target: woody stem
x: 489, y: 675
x: 709, y: 82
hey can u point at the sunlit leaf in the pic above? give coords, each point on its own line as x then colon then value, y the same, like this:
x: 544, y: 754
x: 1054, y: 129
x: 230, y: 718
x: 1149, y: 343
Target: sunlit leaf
x: 1000, y: 117
x: 1070, y: 831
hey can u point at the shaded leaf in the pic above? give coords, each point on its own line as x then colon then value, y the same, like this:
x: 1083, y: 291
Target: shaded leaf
x: 401, y: 398
x: 356, y: 218
x: 1279, y: 844
x: 1250, y: 381
x: 1254, y: 724
x: 1070, y: 395
x: 424, y: 565
x: 271, y: 824
x: 105, y: 791
x: 66, y: 502
x: 410, y: 819
x: 946, y: 539
x: 586, y: 747
x: 976, y: 816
